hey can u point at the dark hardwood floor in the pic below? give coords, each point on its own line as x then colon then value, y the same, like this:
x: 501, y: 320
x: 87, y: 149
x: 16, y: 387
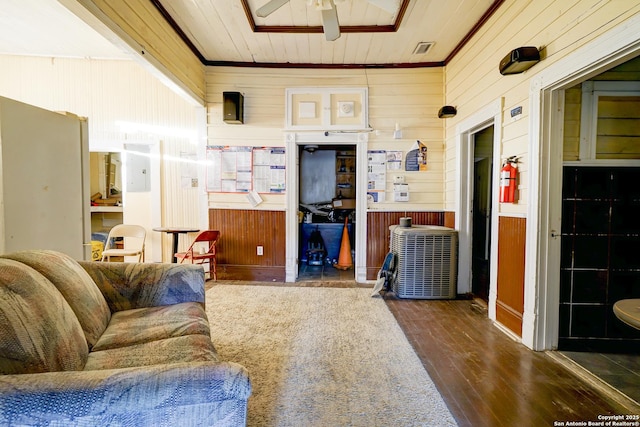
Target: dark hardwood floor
x: 485, y: 377
x: 488, y: 379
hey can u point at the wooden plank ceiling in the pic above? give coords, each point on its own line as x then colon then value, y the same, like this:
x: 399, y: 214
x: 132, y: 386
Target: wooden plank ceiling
x: 228, y: 32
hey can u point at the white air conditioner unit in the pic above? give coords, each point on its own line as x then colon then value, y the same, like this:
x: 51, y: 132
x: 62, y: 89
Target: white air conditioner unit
x: 426, y: 261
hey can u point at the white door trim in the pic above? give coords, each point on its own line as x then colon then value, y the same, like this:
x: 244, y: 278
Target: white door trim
x: 487, y: 116
x: 292, y: 140
x: 541, y: 299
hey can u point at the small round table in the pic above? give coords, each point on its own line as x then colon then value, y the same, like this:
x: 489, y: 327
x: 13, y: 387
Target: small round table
x: 628, y: 310
x: 175, y: 231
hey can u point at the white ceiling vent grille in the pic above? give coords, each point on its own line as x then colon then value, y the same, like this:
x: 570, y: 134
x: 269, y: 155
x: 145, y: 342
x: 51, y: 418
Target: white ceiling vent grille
x: 422, y: 48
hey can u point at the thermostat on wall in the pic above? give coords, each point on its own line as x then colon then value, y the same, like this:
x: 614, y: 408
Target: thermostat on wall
x: 345, y: 109
x: 400, y: 192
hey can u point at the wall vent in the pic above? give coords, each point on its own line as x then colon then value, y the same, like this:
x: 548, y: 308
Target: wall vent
x: 422, y: 48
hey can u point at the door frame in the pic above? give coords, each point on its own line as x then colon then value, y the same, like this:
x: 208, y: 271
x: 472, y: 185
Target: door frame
x: 490, y: 115
x: 487, y: 191
x: 292, y: 141
x: 546, y: 101
x: 153, y: 240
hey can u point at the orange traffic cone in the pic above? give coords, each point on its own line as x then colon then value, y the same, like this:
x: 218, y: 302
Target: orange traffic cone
x: 345, y: 261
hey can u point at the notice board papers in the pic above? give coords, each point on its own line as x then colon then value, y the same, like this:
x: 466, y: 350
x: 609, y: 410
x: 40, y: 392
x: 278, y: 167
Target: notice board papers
x: 269, y: 170
x: 243, y: 169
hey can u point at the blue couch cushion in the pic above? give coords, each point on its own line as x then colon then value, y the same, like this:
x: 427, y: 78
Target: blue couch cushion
x: 148, y: 324
x: 75, y: 284
x: 189, y: 348
x: 39, y: 332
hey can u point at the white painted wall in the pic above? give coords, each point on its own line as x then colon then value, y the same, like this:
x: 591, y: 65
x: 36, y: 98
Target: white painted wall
x: 473, y: 80
x: 576, y: 36
x: 124, y: 104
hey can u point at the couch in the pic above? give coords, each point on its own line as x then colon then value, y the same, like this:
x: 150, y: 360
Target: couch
x: 111, y: 344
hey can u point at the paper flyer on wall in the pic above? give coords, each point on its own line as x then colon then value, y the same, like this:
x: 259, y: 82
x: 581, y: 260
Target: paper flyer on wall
x: 416, y: 159
x: 394, y: 160
x: 243, y: 169
x: 269, y: 171
x: 188, y: 170
x: 375, y: 196
x: 377, y: 170
x: 254, y: 198
x: 214, y: 160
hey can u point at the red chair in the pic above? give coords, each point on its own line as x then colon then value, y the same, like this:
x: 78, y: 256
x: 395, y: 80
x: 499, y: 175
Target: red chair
x: 203, y: 249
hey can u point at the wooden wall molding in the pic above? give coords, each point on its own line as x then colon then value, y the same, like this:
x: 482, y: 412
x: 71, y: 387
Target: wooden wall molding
x: 241, y: 232
x: 378, y: 234
x: 511, y: 261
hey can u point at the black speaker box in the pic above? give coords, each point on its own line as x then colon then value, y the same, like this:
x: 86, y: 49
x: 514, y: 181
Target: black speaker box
x: 233, y: 107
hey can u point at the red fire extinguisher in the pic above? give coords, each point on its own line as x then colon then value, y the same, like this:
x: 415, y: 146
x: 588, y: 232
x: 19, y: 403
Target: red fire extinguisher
x: 508, y: 180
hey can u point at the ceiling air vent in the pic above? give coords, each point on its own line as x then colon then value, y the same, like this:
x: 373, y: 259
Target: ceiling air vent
x: 422, y: 48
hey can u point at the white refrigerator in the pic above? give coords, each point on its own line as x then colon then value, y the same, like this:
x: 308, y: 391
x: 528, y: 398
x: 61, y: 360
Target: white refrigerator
x: 44, y: 180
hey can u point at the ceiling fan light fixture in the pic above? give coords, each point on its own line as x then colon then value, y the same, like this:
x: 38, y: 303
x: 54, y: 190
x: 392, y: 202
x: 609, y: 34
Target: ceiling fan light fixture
x: 270, y: 7
x: 330, y: 23
x: 321, y: 4
x: 390, y: 6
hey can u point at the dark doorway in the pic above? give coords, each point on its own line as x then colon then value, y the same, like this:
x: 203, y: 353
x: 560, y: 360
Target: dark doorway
x: 326, y: 235
x: 481, y: 235
x: 599, y: 261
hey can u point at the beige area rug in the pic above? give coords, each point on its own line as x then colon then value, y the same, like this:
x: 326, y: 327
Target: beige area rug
x: 322, y: 357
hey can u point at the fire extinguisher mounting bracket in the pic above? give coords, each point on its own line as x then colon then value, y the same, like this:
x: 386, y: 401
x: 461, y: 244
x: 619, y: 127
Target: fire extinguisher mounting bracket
x: 512, y: 159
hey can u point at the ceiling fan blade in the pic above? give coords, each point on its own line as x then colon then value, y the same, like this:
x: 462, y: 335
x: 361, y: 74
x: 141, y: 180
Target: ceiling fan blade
x: 270, y: 7
x: 330, y: 23
x: 390, y: 6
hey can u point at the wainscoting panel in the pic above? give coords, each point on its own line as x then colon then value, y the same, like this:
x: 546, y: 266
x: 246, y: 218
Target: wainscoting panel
x: 511, y: 258
x: 450, y: 219
x: 378, y: 234
x: 242, y: 231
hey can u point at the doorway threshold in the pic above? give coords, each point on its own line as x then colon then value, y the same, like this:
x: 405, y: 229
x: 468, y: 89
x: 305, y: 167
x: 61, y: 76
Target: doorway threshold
x: 616, y: 375
x: 324, y: 273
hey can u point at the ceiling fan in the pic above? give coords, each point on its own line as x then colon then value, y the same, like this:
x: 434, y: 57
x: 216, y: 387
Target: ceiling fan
x: 330, y: 22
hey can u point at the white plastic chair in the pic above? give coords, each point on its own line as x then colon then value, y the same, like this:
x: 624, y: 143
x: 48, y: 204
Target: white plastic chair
x: 134, y: 236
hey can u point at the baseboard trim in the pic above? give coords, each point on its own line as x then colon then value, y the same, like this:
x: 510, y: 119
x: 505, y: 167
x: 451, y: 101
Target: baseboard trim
x: 256, y: 273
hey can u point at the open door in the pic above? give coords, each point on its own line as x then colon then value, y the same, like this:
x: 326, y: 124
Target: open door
x: 481, y: 214
x: 327, y: 197
x: 44, y: 181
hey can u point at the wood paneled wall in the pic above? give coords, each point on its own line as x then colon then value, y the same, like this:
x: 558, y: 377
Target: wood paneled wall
x: 378, y: 234
x: 618, y: 127
x: 241, y: 231
x: 572, y: 112
x: 450, y: 219
x: 511, y: 259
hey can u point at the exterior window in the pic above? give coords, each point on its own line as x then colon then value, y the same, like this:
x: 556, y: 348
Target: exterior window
x: 618, y: 127
x: 610, y: 121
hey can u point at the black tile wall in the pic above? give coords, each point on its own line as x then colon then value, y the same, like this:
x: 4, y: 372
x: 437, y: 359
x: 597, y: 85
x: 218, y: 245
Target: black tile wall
x: 600, y: 258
